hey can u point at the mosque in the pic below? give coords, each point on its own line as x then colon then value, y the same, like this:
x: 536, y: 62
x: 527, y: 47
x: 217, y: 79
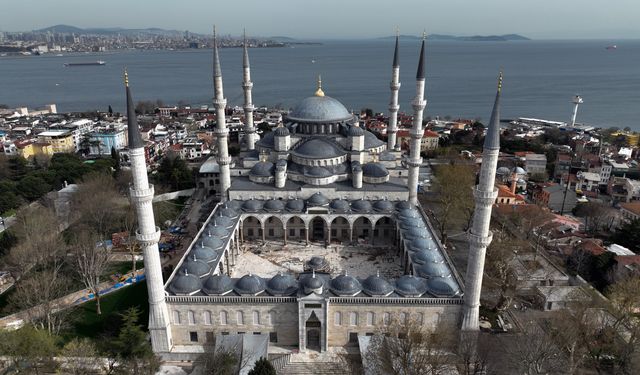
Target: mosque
x: 317, y: 181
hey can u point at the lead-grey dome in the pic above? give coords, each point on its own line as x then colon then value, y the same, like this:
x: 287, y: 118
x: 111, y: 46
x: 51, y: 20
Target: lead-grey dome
x: 409, y: 213
x: 319, y: 109
x: 317, y: 263
x: 376, y: 286
x: 249, y: 284
x: 443, y: 287
x: 235, y: 205
x: 217, y: 285
x: 262, y: 169
x: 217, y: 231
x: 416, y: 232
x: 223, y: 221
x: 317, y: 172
x: 281, y: 284
x: 185, y: 283
x: 403, y: 205
x: 427, y: 256
x: 196, y: 267
x: 383, y: 206
x: 267, y: 140
x: 339, y: 205
x: 345, y: 285
x: 411, y: 286
x: 252, y: 205
x: 371, y: 141
x: 227, y: 212
x: 374, y: 170
x: 361, y: 206
x: 317, y: 199
x: 355, y: 131
x: 318, y: 148
x: 281, y: 131
x: 295, y: 205
x: 422, y: 244
x: 212, y: 240
x: 203, y: 253
x: 503, y: 171
x: 274, y: 205
x: 429, y: 269
x: 409, y: 222
x: 311, y: 282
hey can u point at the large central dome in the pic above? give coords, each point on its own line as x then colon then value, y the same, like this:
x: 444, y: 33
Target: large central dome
x: 319, y: 109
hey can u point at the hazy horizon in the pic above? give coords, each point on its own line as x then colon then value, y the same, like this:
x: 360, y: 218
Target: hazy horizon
x: 333, y: 19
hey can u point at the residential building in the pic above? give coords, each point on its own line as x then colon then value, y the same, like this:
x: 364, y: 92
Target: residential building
x: 428, y: 142
x: 103, y: 139
x: 535, y: 164
x: 61, y: 141
x: 630, y: 211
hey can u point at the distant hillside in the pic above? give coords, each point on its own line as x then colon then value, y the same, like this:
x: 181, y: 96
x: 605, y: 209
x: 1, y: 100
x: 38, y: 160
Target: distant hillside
x: 474, y: 38
x: 66, y: 29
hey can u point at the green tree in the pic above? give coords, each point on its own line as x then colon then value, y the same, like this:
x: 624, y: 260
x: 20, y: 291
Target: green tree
x: 262, y: 367
x: 28, y: 349
x: 628, y: 235
x: 33, y: 187
x: 131, y: 348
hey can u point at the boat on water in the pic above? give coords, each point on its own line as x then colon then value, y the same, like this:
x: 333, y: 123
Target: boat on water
x: 613, y: 46
x: 88, y: 63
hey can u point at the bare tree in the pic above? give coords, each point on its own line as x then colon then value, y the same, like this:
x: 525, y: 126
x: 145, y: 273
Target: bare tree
x: 532, y: 353
x: 129, y: 222
x: 499, y: 268
x: 91, y: 258
x: 455, y: 188
x: 79, y: 356
x: 98, y: 203
x: 625, y: 299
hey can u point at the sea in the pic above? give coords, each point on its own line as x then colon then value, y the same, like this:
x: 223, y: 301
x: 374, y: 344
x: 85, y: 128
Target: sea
x: 540, y: 78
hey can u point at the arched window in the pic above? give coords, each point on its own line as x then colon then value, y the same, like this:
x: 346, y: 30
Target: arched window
x: 403, y: 318
x: 206, y: 317
x: 240, y: 317
x: 370, y: 317
x: 176, y: 317
x: 337, y: 318
x: 386, y: 318
x: 256, y: 317
x: 223, y: 318
x: 191, y: 317
x: 353, y: 319
x: 272, y: 318
x: 419, y: 318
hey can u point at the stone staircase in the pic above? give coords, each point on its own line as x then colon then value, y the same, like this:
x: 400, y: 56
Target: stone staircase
x: 312, y: 364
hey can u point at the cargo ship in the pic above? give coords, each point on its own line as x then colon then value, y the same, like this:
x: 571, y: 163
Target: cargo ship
x: 89, y: 63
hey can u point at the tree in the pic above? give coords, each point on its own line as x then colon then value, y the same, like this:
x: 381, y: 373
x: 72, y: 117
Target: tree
x: 29, y: 349
x: 454, y: 195
x: 131, y: 348
x: 597, y: 216
x: 499, y: 267
x: 262, y: 367
x: 129, y: 222
x: 220, y: 362
x: 91, y: 257
x: 625, y: 300
x: 532, y: 352
x: 32, y: 187
x: 79, y: 356
x: 98, y: 204
x: 628, y: 235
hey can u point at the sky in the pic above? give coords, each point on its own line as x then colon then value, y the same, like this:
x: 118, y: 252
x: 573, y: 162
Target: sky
x: 339, y: 19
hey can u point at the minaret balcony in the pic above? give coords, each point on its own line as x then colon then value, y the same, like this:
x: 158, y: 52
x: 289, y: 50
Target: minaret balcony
x: 247, y: 85
x: 486, y: 198
x: 414, y: 163
x: 222, y: 160
x: 394, y: 108
x: 395, y: 86
x: 479, y: 241
x: 141, y: 194
x: 148, y: 239
x: 220, y: 103
x: 221, y: 132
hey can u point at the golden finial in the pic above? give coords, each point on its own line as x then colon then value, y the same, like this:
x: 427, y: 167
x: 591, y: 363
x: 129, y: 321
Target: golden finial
x: 500, y: 81
x: 126, y: 78
x: 319, y: 91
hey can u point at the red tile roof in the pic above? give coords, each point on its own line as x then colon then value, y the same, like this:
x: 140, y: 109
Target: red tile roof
x: 633, y: 207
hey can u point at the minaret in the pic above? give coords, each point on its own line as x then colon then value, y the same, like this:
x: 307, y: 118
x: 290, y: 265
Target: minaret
x: 418, y: 104
x: 577, y: 100
x: 221, y: 131
x: 393, y: 104
x: 147, y: 234
x: 247, y: 85
x: 485, y: 194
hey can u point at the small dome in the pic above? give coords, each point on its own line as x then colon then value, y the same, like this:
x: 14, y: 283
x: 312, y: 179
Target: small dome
x: 185, y: 283
x: 281, y: 284
x: 252, y: 205
x: 281, y: 131
x: 409, y: 213
x: 213, y: 241
x: 383, y: 206
x: 317, y: 199
x: 267, y: 140
x: 428, y: 270
x: 406, y: 223
x: 374, y: 170
x: 262, y: 169
x: 411, y: 286
x: 249, y: 284
x: 196, y: 267
x: 318, y: 148
x: 311, y: 283
x: 235, y: 205
x: 274, y: 205
x: 295, y: 205
x: 519, y: 170
x: 203, y: 253
x: 317, y: 263
x: 387, y: 156
x: 416, y: 232
x: 317, y: 172
x: 427, y: 256
x: 504, y: 171
x: 319, y: 109
x: 403, y: 205
x: 345, y: 285
x: 376, y: 286
x: 361, y: 206
x: 443, y: 287
x: 223, y: 221
x: 355, y: 131
x: 356, y: 167
x: 340, y: 205
x: 422, y: 244
x: 217, y: 285
x: 217, y: 231
x: 227, y: 212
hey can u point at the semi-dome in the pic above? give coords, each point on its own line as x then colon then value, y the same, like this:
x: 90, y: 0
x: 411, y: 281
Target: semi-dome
x: 519, y: 170
x: 371, y: 141
x: 203, y: 253
x: 345, y: 285
x: 375, y: 285
x: 361, y: 206
x: 443, y: 287
x: 411, y: 286
x: 249, y: 284
x: 196, y: 267
x: 281, y: 284
x: 281, y: 131
x: 262, y: 169
x: 383, y: 206
x: 213, y: 240
x: 429, y: 269
x: 217, y: 231
x: 403, y: 205
x: 409, y: 213
x: 267, y: 140
x: 355, y: 131
x: 340, y: 205
x: 317, y: 199
x: 274, y: 205
x: 374, y: 170
x: 317, y: 172
x: 252, y: 205
x: 185, y: 283
x: 295, y: 205
x: 217, y: 285
x: 319, y: 109
x: 427, y: 256
x: 318, y: 148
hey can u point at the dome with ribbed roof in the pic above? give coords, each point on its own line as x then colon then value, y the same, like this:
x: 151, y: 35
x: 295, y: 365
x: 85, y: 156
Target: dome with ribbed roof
x: 185, y: 284
x: 249, y: 285
x: 430, y: 269
x: 371, y: 141
x: 252, y: 205
x: 274, y: 205
x: 422, y: 244
x: 406, y: 223
x: 361, y: 205
x: 281, y: 284
x: 311, y: 283
x: 196, y: 267
x: 317, y: 172
x: 427, y: 256
x: 203, y: 253
x: 411, y: 286
x: 319, y: 109
x: 295, y: 205
x: 223, y: 221
x: 340, y: 205
x: 217, y: 285
x: 375, y: 285
x: 212, y: 240
x: 317, y: 263
x: 262, y: 169
x: 235, y: 205
x: 383, y: 206
x: 416, y: 232
x: 345, y: 285
x: 317, y: 199
x: 227, y: 212
x: 409, y: 213
x: 217, y: 231
x: 443, y: 287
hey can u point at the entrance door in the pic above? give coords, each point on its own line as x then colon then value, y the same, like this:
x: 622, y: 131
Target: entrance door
x: 313, y: 326
x: 317, y: 228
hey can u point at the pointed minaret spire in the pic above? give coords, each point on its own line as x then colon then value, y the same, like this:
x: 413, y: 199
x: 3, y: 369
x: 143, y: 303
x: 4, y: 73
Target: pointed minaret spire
x: 221, y: 131
x: 485, y: 194
x: 394, y: 107
x: 147, y: 234
x: 417, y: 131
x: 247, y: 85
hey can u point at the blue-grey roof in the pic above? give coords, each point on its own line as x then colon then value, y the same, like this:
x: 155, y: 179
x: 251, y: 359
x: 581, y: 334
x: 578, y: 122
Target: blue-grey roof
x: 409, y: 213
x: 203, y: 253
x: 396, y: 57
x: 443, y: 287
x: 345, y: 285
x: 355, y: 131
x: 376, y: 286
x: 196, y: 267
x: 361, y: 205
x: 387, y: 156
x: 416, y: 232
x: 409, y: 222
x: 317, y: 172
x: 262, y: 169
x: 319, y: 148
x: 295, y: 205
x: 217, y: 231
x: 133, y: 130
x: 383, y: 206
x: 249, y: 284
x: 403, y: 205
x: 427, y: 256
x: 274, y: 205
x: 213, y: 240
x: 420, y: 73
x: 420, y: 244
x: 503, y: 171
x: 228, y: 212
x: 252, y: 205
x: 429, y: 269
x: 281, y: 284
x: 217, y: 285
x: 185, y: 284
x: 317, y: 199
x: 267, y: 140
x: 319, y: 109
x: 340, y: 205
x: 311, y: 282
x: 411, y: 286
x: 374, y: 170
x: 223, y: 221
x: 371, y: 141
x: 317, y: 263
x: 281, y: 131
x: 236, y: 205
